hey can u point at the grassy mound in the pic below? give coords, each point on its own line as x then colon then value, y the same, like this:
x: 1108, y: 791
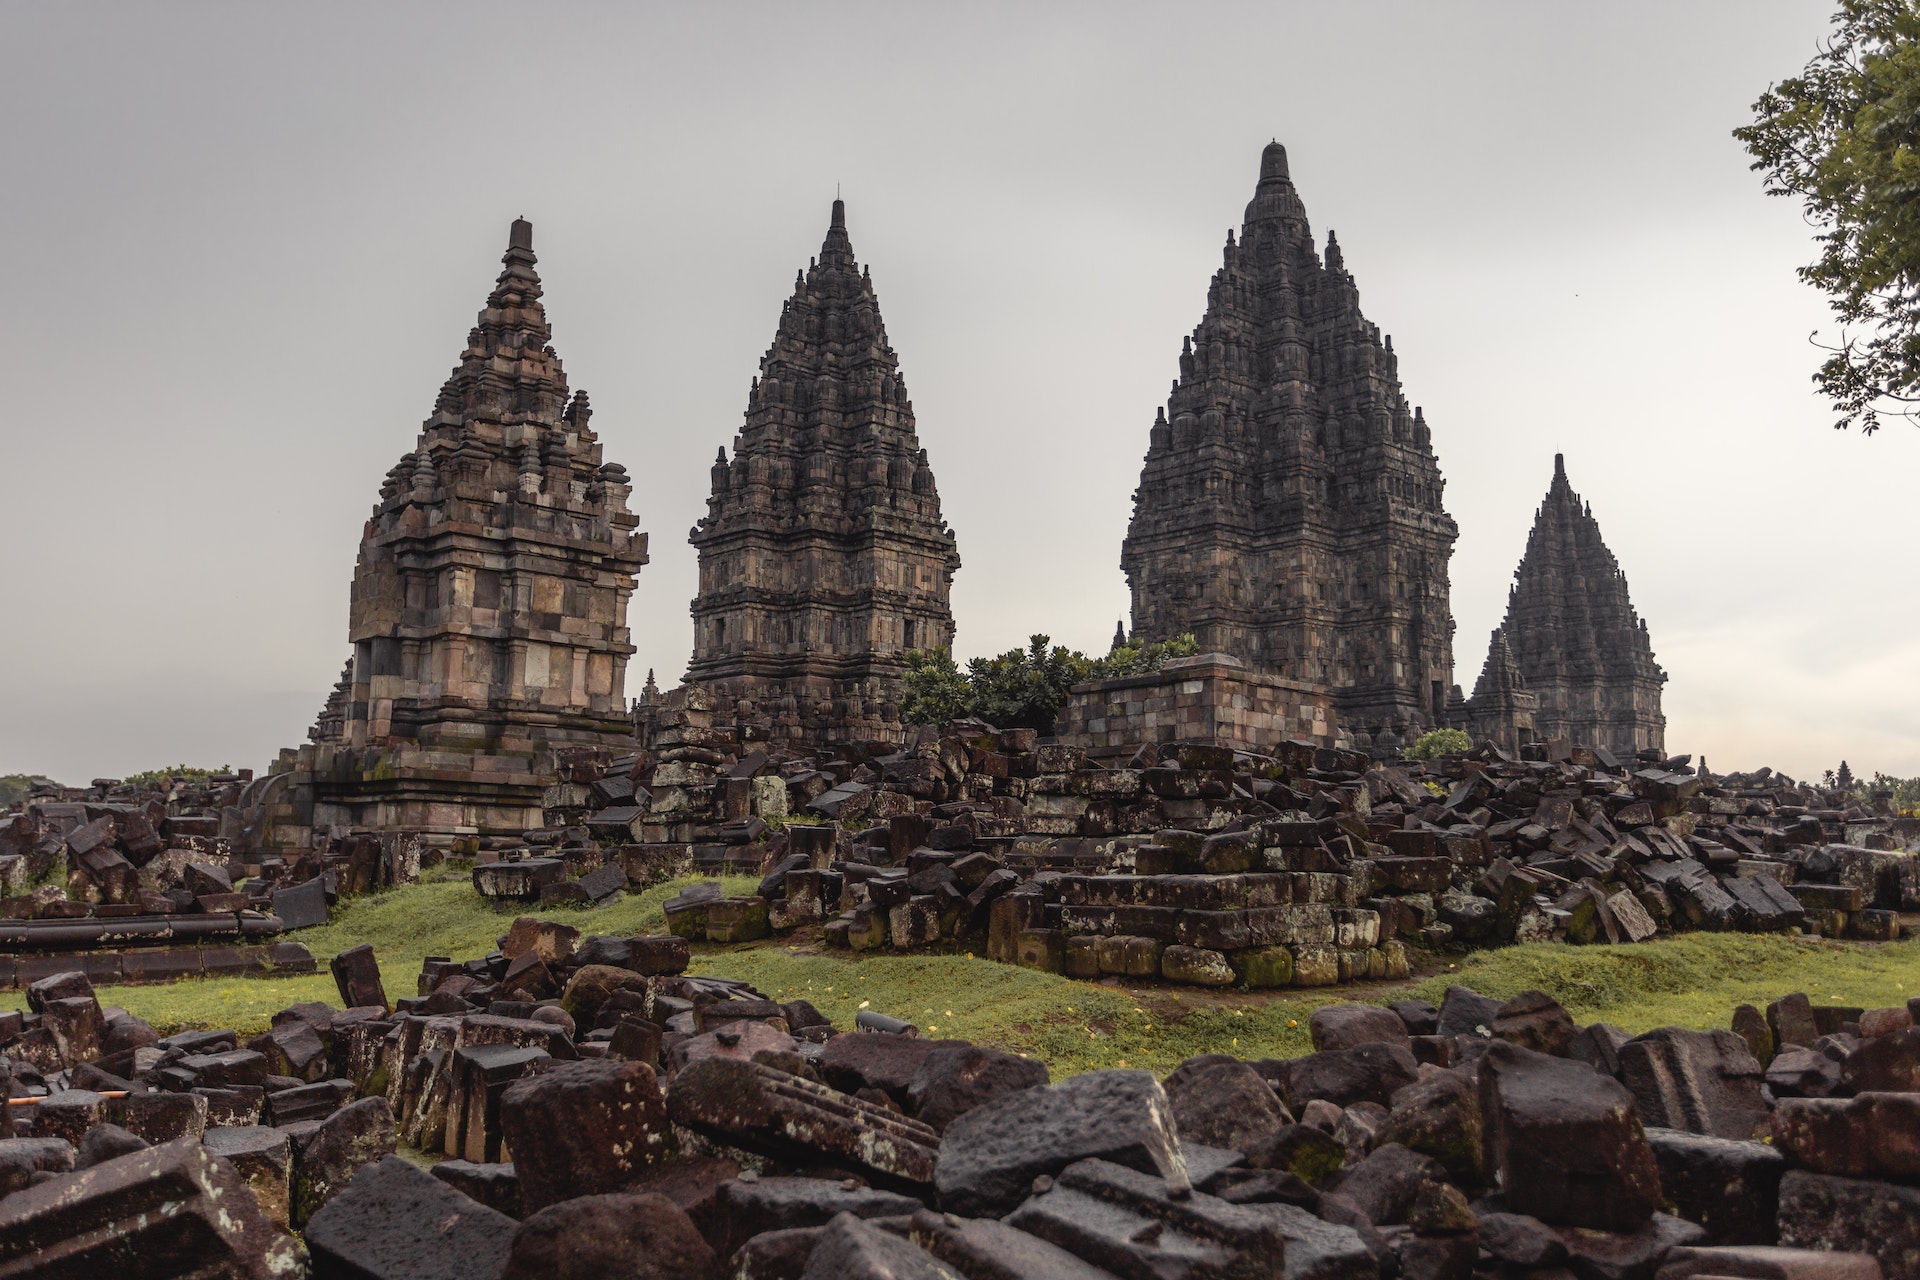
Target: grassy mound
x: 1693, y: 980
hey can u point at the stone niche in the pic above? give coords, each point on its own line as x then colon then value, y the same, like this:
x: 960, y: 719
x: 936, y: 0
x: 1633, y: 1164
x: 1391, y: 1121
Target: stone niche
x: 1210, y: 697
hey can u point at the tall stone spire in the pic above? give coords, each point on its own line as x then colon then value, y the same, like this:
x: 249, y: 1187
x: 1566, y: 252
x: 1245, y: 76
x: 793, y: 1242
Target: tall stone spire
x: 1289, y: 509
x: 489, y: 602
x: 823, y: 555
x: 1574, y: 634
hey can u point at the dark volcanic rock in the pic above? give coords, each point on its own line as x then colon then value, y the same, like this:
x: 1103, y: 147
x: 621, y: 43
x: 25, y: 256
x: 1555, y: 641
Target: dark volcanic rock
x: 1732, y: 1189
x: 1226, y: 1104
x: 990, y: 1156
x: 583, y: 1128
x: 851, y: 1249
x: 398, y: 1222
x: 1565, y: 1141
x: 325, y: 1162
x: 103, y: 1222
x: 1699, y: 1081
x: 609, y: 1237
x: 743, y: 1209
x: 954, y: 1079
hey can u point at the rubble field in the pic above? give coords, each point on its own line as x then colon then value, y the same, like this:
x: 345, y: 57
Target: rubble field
x: 568, y: 1105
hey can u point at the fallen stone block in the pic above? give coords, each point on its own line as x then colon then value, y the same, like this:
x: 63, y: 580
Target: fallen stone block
x: 263, y: 1157
x: 1874, y: 1135
x: 327, y: 1159
x: 518, y: 881
x: 1371, y: 1072
x: 1385, y: 1185
x: 583, y: 1128
x: 591, y: 985
x: 1627, y: 1255
x: 166, y: 1211
x: 1308, y: 1153
x: 1698, y: 1081
x: 954, y: 1079
x: 1884, y: 1063
x: 1565, y: 1141
x: 68, y: 1115
x: 1127, y: 1222
x: 692, y: 1182
x: 1521, y: 1241
x: 21, y: 1158
x: 849, y: 1248
x: 108, y: 1142
x: 989, y: 1157
x: 357, y: 974
x: 495, y: 1185
x: 877, y: 1060
x: 1439, y: 1116
x: 160, y: 1117
x: 1767, y: 1262
x: 398, y: 1222
x: 1342, y: 1026
x: 602, y: 1236
x: 760, y: 1108
x: 1534, y: 1020
x: 744, y: 1208
x: 985, y: 1247
x: 1731, y: 1188
x: 304, y: 905
x: 1798, y: 1072
x: 1226, y: 1104
x: 1846, y: 1215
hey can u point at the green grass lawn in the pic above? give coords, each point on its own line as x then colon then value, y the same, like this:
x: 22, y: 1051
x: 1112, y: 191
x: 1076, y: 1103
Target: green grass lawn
x: 1694, y: 980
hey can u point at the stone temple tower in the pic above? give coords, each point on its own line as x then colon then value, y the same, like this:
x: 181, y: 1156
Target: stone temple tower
x: 489, y: 604
x: 823, y: 554
x: 1289, y: 510
x: 1575, y: 637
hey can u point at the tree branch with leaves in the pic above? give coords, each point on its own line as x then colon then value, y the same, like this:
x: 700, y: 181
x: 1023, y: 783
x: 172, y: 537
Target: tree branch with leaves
x: 1843, y: 136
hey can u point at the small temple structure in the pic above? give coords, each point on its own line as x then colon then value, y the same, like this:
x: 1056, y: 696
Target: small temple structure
x: 1574, y: 638
x: 823, y: 555
x: 488, y: 613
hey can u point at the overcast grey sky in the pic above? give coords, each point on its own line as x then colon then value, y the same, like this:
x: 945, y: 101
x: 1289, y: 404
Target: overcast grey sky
x: 245, y: 243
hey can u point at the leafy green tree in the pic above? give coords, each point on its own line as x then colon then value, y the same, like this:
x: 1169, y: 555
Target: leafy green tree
x: 1435, y: 743
x: 1025, y: 690
x: 14, y: 787
x: 1021, y: 688
x: 937, y: 691
x: 1843, y: 136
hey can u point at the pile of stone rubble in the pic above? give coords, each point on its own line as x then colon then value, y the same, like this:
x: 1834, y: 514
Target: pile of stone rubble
x: 1200, y: 864
x: 603, y: 1114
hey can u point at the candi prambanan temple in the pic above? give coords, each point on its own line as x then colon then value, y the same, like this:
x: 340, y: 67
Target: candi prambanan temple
x: 1574, y: 637
x: 823, y: 555
x: 1289, y: 515
x: 488, y: 614
x: 1289, y: 512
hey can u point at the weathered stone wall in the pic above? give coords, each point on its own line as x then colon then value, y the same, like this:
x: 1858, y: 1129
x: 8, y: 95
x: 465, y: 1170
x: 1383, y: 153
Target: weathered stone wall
x: 1213, y: 697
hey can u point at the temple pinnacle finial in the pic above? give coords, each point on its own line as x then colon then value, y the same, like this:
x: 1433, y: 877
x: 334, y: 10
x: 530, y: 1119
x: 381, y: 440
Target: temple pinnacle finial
x: 521, y: 237
x: 839, y: 210
x: 1559, y: 466
x: 1273, y: 163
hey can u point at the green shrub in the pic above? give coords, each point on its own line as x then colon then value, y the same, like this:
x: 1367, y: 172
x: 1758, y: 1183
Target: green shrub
x: 1022, y: 688
x: 1435, y: 743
